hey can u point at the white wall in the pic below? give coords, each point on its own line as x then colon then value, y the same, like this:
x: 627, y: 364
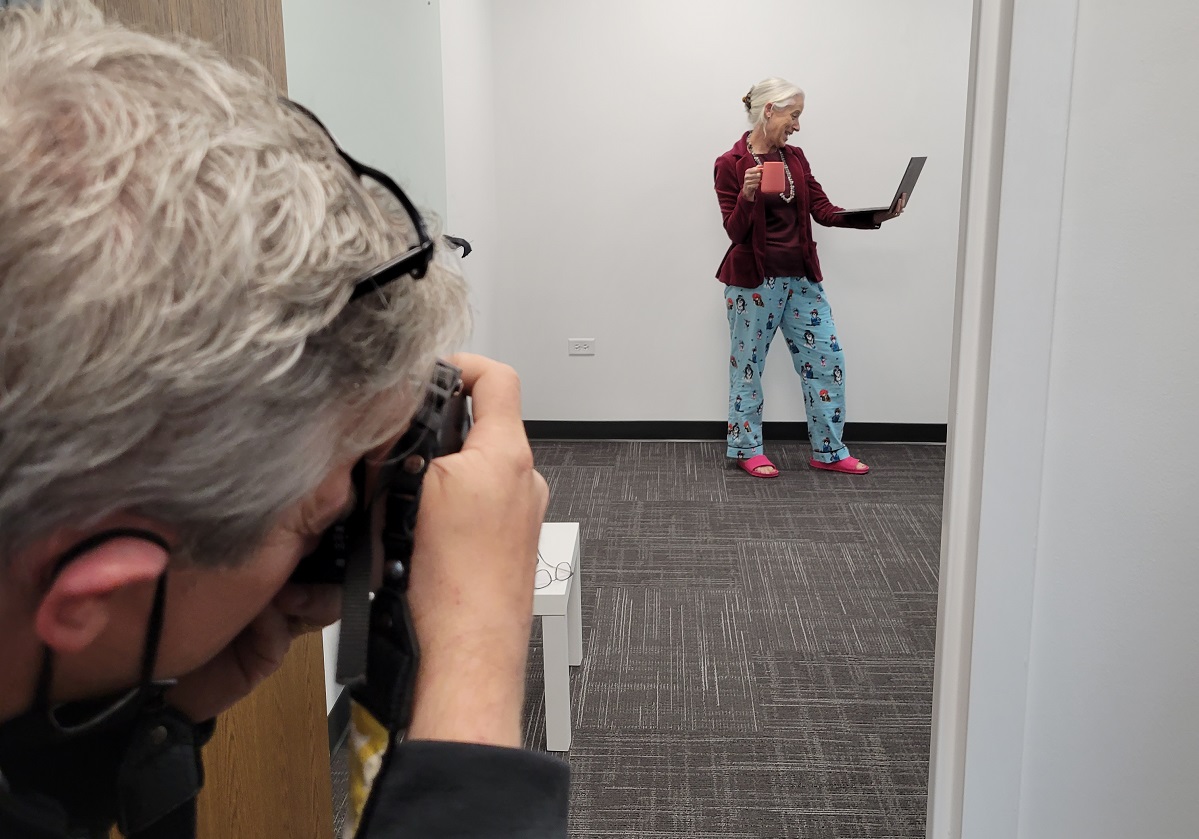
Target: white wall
x: 371, y: 70
x: 1083, y: 678
x: 330, y: 637
x: 1112, y: 743
x: 607, y: 120
x: 472, y: 209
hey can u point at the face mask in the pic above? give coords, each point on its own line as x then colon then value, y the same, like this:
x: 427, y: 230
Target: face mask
x: 127, y: 759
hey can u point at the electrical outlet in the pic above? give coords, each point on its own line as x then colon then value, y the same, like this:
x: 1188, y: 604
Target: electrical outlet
x: 580, y: 346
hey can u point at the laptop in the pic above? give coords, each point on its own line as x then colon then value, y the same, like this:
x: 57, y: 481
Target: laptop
x: 906, y: 184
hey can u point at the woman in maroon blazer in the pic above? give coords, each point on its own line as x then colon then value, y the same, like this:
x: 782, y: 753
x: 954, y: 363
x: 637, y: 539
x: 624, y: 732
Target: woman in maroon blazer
x: 772, y: 280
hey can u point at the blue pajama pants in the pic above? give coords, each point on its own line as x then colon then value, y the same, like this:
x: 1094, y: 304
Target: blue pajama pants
x: 800, y: 309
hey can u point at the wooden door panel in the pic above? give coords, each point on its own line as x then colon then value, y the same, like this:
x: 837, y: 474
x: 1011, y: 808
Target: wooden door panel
x: 267, y: 767
x: 240, y: 29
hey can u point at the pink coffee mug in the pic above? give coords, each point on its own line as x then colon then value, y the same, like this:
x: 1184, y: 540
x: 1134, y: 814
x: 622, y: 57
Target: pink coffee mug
x: 773, y: 179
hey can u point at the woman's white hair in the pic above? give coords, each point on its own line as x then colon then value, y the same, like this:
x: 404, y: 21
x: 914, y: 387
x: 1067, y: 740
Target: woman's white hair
x: 777, y: 92
x: 177, y: 253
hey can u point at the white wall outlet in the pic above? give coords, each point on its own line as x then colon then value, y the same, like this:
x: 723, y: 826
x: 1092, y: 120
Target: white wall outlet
x: 580, y: 346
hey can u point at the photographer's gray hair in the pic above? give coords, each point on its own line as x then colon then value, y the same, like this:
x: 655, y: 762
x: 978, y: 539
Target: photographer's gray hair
x: 176, y: 277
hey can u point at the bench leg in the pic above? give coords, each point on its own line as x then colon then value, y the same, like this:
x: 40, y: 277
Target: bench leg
x: 574, y: 618
x: 554, y: 644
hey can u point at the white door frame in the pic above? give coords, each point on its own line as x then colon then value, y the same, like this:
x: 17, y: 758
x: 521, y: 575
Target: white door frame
x: 1021, y: 72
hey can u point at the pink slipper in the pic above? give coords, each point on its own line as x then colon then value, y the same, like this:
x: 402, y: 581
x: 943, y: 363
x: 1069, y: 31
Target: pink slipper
x: 849, y: 465
x: 757, y: 462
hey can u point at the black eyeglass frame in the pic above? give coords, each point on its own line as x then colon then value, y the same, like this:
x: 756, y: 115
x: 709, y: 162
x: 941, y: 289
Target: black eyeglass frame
x: 415, y: 261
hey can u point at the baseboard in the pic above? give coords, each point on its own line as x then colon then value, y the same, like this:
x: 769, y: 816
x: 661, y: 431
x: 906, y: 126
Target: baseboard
x: 855, y: 432
x: 339, y: 721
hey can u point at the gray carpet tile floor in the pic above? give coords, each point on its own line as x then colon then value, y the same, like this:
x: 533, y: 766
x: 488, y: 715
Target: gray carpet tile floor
x: 758, y: 654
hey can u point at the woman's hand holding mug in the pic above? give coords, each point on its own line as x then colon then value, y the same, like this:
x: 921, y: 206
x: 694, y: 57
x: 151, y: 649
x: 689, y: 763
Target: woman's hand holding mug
x: 753, y: 179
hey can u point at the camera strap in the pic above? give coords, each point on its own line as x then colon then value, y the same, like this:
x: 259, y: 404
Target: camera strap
x: 353, y: 542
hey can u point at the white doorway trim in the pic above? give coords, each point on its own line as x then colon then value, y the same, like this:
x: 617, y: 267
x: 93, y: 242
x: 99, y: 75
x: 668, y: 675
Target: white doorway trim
x: 1021, y: 71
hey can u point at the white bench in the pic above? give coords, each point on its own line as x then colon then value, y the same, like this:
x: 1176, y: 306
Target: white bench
x: 561, y: 628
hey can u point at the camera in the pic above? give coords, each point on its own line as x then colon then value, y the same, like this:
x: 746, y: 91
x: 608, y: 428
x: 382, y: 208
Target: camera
x: 439, y: 428
x: 378, y: 652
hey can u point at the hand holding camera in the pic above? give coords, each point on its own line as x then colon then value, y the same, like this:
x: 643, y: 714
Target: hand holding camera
x: 471, y: 587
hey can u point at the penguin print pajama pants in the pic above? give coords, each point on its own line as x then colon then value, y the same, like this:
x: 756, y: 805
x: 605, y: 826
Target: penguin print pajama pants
x: 800, y: 309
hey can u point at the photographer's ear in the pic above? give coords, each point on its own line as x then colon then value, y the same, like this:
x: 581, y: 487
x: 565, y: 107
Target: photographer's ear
x: 96, y: 588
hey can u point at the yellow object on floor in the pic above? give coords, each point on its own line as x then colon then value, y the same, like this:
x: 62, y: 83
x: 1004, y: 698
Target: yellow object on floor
x: 368, y: 742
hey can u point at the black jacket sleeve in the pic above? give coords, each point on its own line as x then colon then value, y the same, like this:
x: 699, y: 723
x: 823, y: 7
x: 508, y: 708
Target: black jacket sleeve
x: 437, y: 790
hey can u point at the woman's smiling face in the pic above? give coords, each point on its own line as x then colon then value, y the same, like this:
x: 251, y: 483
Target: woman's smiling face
x: 781, y: 121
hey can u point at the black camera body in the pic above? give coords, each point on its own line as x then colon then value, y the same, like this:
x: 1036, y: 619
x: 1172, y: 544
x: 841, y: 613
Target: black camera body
x: 378, y: 653
x: 439, y: 428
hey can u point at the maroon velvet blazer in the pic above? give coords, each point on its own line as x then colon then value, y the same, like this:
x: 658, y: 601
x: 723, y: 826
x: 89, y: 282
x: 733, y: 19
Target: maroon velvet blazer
x: 745, y: 221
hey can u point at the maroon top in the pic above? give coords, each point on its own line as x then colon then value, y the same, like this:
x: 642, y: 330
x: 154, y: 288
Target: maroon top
x: 782, y: 246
